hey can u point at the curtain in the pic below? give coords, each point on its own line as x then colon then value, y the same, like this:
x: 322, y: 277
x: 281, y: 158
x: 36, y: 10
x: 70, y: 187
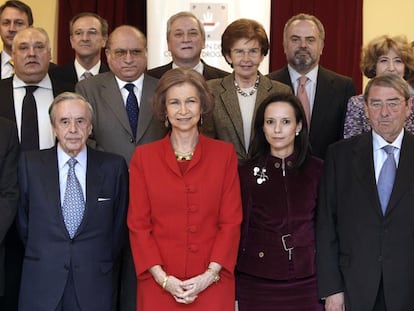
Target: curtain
x: 342, y: 20
x: 116, y: 12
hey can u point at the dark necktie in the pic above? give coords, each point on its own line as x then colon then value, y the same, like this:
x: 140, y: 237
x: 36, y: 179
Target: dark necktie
x: 86, y: 75
x: 132, y: 108
x: 29, y: 126
x: 386, y: 177
x: 73, y: 205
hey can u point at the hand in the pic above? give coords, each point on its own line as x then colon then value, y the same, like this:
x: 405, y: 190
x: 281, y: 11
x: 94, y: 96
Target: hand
x: 197, y: 284
x: 175, y: 287
x: 335, y: 302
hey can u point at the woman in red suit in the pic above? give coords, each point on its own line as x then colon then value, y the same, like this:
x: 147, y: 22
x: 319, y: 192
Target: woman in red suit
x: 276, y: 264
x: 185, y: 207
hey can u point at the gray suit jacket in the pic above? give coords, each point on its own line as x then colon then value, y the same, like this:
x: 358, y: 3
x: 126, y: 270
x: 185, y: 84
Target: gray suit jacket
x: 111, y: 129
x: 226, y: 122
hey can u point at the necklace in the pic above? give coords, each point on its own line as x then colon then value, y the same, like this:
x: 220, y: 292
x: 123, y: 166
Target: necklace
x: 183, y: 156
x: 251, y: 92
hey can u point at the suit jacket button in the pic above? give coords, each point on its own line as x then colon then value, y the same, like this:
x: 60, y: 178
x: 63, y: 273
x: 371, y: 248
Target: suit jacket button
x: 261, y: 254
x: 66, y: 267
x: 131, y: 140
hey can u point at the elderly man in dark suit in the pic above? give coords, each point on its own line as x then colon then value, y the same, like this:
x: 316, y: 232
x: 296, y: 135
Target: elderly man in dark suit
x: 365, y: 215
x: 186, y: 39
x: 325, y: 93
x: 71, y: 215
x: 123, y: 116
x: 88, y: 35
x: 9, y: 151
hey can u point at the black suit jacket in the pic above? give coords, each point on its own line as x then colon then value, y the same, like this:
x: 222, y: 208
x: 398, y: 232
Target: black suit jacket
x: 328, y: 114
x: 67, y: 74
x: 9, y: 151
x: 209, y: 72
x: 50, y: 253
x: 356, y: 244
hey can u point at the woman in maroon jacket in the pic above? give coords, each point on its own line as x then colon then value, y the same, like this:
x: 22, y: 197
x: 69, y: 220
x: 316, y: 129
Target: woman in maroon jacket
x: 276, y: 264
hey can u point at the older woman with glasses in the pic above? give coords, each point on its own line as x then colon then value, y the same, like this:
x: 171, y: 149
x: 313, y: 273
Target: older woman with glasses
x: 382, y: 55
x: 244, y: 44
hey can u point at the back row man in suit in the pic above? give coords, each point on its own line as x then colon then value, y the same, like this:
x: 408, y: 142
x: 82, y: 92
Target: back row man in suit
x: 327, y: 92
x: 26, y: 98
x: 186, y: 39
x: 123, y: 119
x: 14, y: 16
x: 88, y: 35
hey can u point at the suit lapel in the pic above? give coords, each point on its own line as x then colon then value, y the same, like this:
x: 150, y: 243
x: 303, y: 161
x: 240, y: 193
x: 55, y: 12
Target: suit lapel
x: 94, y: 180
x: 145, y: 109
x: 405, y: 175
x: 363, y: 166
x: 231, y: 104
x: 111, y: 92
x: 51, y: 185
x: 7, y: 102
x: 324, y: 91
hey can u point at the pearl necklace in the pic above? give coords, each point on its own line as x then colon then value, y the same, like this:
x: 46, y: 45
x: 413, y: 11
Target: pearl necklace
x: 243, y: 93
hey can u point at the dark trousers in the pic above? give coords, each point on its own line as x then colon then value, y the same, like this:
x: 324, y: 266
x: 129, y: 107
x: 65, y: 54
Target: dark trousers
x: 380, y: 300
x: 128, y: 286
x: 13, y: 269
x: 69, y: 301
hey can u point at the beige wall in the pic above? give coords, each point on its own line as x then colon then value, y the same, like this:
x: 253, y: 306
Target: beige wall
x: 387, y: 17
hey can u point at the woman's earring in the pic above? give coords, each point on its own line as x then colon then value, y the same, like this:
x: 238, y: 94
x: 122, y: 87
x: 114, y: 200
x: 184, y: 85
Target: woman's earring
x: 166, y: 123
x: 297, y: 133
x: 201, y: 119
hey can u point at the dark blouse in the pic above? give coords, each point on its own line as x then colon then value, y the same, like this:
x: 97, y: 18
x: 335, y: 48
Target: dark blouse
x: 279, y: 204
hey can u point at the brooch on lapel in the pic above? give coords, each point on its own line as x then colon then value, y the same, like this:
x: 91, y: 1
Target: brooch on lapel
x: 261, y: 174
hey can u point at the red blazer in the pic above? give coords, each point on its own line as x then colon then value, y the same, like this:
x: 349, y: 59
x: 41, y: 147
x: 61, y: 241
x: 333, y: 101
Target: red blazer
x: 183, y: 222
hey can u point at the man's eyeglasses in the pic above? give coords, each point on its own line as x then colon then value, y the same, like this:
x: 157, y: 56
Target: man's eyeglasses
x: 392, y: 104
x: 121, y: 53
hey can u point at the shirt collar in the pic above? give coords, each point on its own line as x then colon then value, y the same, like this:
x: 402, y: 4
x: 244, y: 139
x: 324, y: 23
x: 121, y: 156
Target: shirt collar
x: 80, y: 70
x: 5, y: 57
x: 138, y: 83
x: 63, y: 157
x: 45, y: 83
x: 378, y: 142
x: 199, y: 67
x: 312, y: 75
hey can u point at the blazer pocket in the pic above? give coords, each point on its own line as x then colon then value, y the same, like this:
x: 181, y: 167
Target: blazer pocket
x: 31, y: 258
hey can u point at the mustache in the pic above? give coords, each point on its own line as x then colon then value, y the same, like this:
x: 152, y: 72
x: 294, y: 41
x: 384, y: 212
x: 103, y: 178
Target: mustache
x: 302, y: 50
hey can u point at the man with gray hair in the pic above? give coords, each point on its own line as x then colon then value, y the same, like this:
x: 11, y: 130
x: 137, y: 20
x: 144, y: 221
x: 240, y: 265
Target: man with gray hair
x: 324, y: 94
x: 186, y: 39
x: 26, y: 97
x: 71, y: 215
x: 365, y: 215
